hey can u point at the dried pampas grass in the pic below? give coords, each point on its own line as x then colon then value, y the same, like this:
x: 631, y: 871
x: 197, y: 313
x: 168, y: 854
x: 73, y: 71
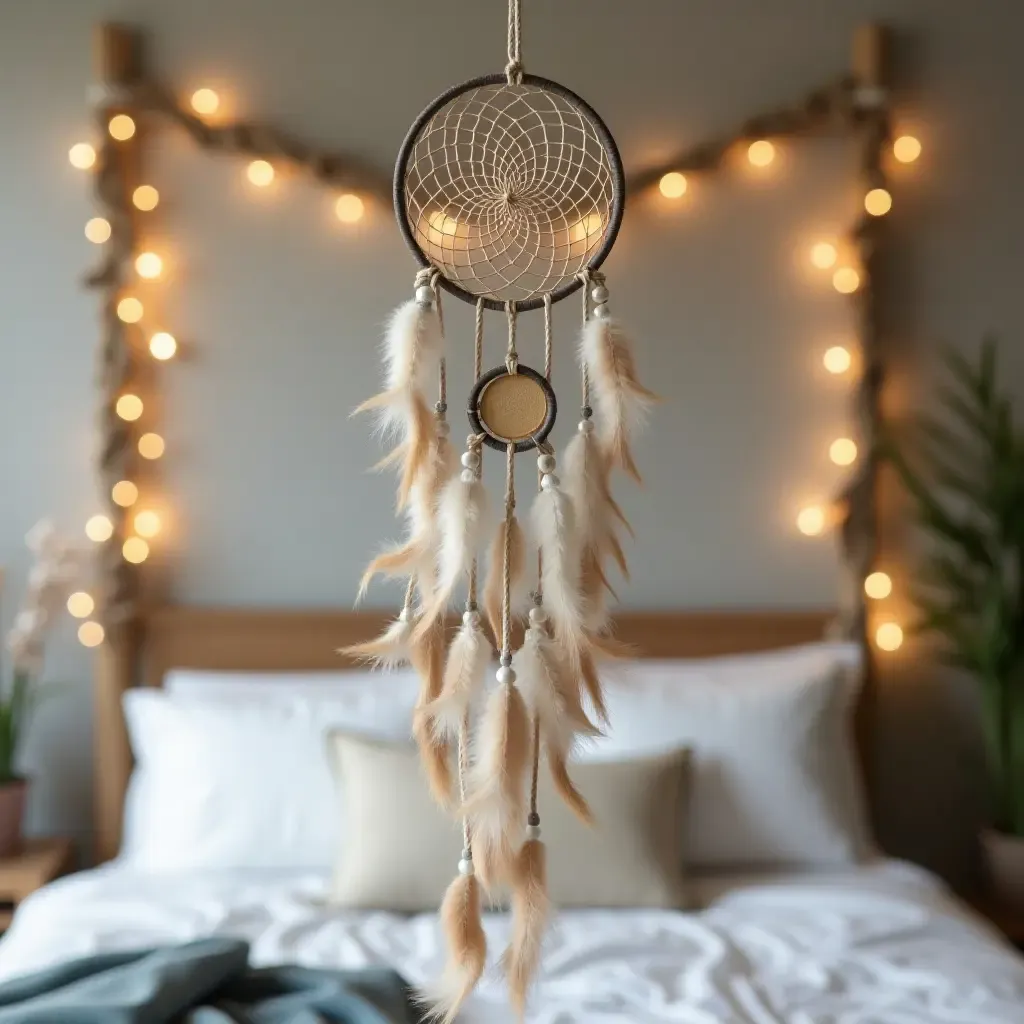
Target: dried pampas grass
x: 426, y: 652
x: 464, y: 672
x: 620, y: 400
x: 519, y: 590
x: 531, y: 908
x: 495, y: 800
x: 467, y: 950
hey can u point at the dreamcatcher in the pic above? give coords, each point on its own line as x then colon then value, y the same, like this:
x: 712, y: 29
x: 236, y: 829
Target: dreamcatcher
x: 509, y: 191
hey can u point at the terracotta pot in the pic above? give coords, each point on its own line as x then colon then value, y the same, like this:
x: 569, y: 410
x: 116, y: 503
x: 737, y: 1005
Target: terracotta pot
x: 12, y: 810
x: 1004, y: 856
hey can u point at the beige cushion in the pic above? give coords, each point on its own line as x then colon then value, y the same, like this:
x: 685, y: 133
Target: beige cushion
x: 401, y: 851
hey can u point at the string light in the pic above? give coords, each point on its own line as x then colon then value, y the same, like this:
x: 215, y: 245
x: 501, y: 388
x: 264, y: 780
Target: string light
x: 90, y: 634
x: 129, y: 407
x: 878, y: 585
x: 145, y: 198
x: 124, y: 493
x: 135, y: 550
x: 163, y: 346
x: 97, y: 230
x: 260, y: 173
x: 906, y: 149
x: 842, y: 451
x: 824, y: 255
x: 80, y: 605
x: 149, y: 265
x: 82, y: 156
x: 811, y: 520
x: 889, y: 636
x: 837, y: 359
x: 151, y: 446
x: 761, y: 153
x: 673, y: 185
x: 878, y: 202
x: 349, y: 208
x: 129, y: 309
x: 205, y: 101
x: 147, y: 524
x: 846, y: 280
x: 121, y: 127
x: 99, y: 529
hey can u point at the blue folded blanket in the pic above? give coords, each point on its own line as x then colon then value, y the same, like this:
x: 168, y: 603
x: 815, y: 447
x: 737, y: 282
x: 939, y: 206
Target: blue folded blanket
x: 205, y: 982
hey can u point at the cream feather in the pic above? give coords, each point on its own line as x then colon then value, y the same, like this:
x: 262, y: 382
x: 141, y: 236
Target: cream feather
x: 426, y: 653
x: 466, y: 943
x: 464, y: 673
x: 531, y: 908
x: 620, y: 400
x: 387, y: 651
x: 495, y: 798
x: 519, y: 578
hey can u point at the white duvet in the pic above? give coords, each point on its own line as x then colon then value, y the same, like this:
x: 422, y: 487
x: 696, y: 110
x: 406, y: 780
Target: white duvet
x: 881, y: 944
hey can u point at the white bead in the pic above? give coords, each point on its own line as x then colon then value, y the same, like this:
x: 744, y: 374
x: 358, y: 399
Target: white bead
x: 424, y: 295
x: 533, y: 831
x: 471, y: 459
x: 465, y: 867
x: 549, y: 481
x: 599, y: 294
x: 602, y: 312
x: 538, y: 616
x: 444, y: 428
x: 468, y: 476
x: 585, y: 426
x: 546, y: 463
x: 471, y: 618
x: 505, y: 675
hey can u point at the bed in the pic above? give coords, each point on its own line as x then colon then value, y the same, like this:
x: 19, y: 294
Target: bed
x: 873, y: 941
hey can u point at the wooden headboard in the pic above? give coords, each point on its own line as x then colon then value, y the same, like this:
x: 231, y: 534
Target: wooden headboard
x: 206, y: 638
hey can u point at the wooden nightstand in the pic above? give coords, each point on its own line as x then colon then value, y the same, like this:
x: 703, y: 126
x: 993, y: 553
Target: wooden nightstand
x: 41, y: 861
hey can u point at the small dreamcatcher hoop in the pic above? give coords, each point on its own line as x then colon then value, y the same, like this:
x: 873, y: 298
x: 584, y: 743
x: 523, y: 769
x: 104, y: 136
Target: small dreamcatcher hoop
x: 509, y: 191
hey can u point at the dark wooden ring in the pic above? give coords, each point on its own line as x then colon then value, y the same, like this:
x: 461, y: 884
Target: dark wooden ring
x: 492, y: 440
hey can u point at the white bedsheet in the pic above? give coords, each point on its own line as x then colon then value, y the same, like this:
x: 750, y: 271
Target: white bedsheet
x: 881, y: 944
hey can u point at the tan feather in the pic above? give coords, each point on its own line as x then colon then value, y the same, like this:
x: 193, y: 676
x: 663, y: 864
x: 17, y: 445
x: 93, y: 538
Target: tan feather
x: 466, y: 944
x: 592, y: 685
x: 565, y: 788
x: 389, y: 650
x: 393, y: 561
x: 531, y: 908
x: 464, y: 672
x: 495, y: 797
x: 427, y: 656
x: 494, y: 584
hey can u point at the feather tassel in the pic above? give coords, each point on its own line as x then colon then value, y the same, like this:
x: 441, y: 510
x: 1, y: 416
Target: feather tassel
x: 495, y: 800
x: 387, y: 651
x: 621, y: 401
x: 466, y: 942
x: 494, y: 584
x: 426, y: 652
x: 531, y: 908
x: 465, y: 670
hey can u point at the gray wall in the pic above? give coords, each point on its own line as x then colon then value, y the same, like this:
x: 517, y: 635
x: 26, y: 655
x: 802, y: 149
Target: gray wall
x: 279, y: 307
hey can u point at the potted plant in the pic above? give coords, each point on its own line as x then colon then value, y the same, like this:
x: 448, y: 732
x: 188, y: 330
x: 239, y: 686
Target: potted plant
x: 964, y: 471
x: 50, y: 579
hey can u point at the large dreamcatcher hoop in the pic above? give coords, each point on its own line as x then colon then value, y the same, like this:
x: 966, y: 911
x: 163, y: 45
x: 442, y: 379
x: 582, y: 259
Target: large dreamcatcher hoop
x: 509, y: 192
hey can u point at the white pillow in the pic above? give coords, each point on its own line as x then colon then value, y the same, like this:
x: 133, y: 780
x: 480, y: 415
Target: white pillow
x: 775, y: 777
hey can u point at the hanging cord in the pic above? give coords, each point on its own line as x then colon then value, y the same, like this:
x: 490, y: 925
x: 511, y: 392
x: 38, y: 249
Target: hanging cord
x: 442, y: 370
x: 478, y: 347
x: 514, y: 67
x: 506, y: 580
x: 587, y: 276
x: 511, y: 355
x: 547, y: 336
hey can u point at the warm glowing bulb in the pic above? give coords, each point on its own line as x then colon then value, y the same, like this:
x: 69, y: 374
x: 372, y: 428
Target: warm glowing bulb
x: 129, y: 407
x: 97, y: 230
x: 121, y: 127
x: 205, y: 101
x: 163, y: 345
x: 824, y: 255
x: 837, y: 359
x: 260, y: 173
x: 846, y: 280
x: 811, y: 520
x: 80, y: 604
x: 148, y: 264
x: 82, y: 156
x: 145, y: 198
x: 151, y: 446
x: 673, y: 185
x: 878, y: 585
x: 147, y: 524
x: 135, y: 550
x: 761, y: 153
x: 906, y: 149
x: 349, y: 208
x: 99, y: 529
x: 878, y: 202
x: 843, y: 451
x: 124, y: 493
x: 889, y: 636
x: 90, y: 634
x: 129, y: 309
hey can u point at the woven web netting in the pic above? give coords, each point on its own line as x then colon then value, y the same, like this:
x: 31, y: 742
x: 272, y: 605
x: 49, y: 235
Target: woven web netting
x: 508, y: 191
